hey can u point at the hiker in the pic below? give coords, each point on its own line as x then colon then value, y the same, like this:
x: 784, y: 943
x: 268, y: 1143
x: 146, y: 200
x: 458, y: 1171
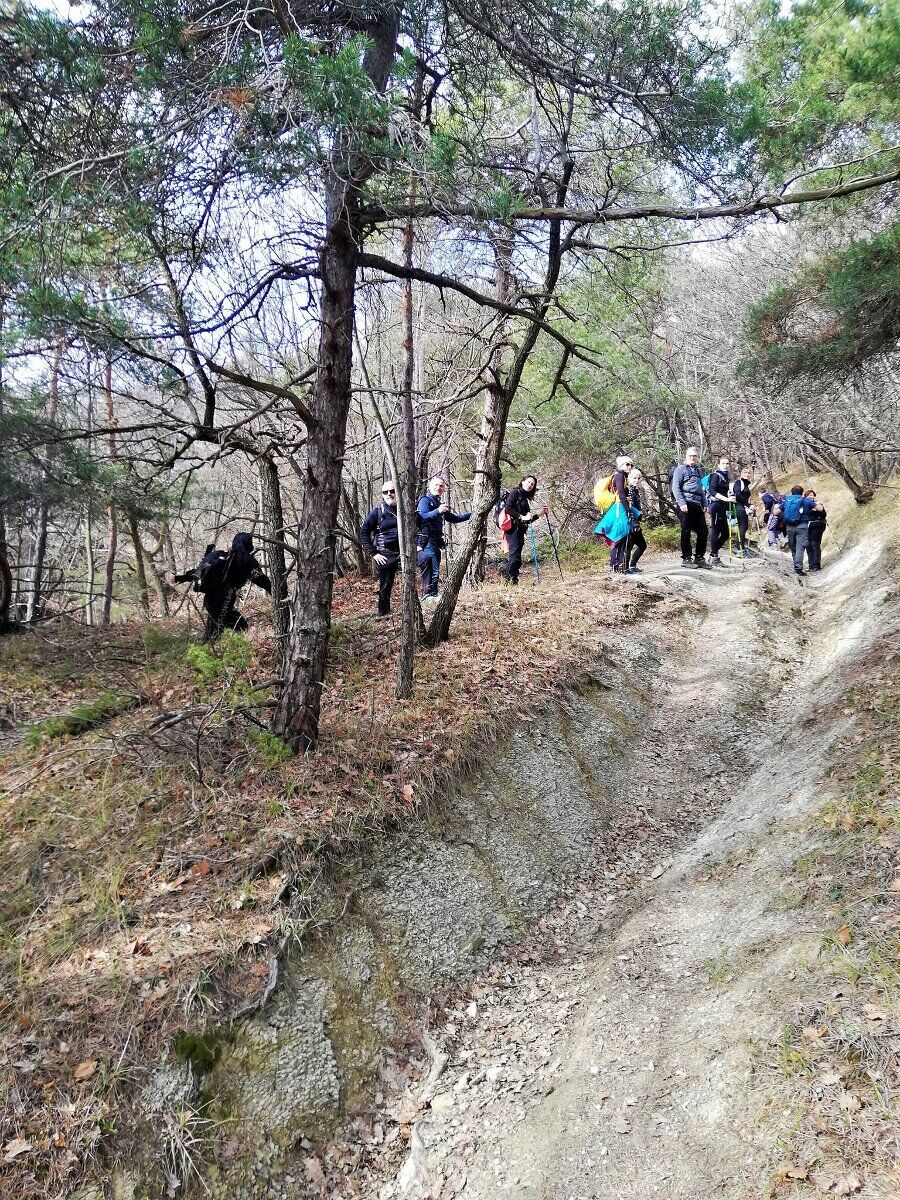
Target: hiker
x: 743, y: 509
x: 817, y: 521
x: 220, y: 575
x: 775, y: 526
x: 620, y: 548
x: 796, y: 511
x: 518, y: 507
x: 431, y: 513
x: 637, y: 543
x: 717, y: 499
x: 769, y: 497
x: 688, y: 494
x: 380, y: 538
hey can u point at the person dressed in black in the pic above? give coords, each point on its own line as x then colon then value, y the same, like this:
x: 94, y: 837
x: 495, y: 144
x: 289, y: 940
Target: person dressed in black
x: 740, y: 489
x: 817, y: 521
x: 717, y: 491
x: 220, y: 577
x: 518, y: 506
x: 380, y: 538
x: 637, y: 543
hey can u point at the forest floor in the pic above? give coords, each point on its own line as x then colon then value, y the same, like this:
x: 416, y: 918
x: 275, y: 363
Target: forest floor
x: 727, y: 1024
x: 150, y: 827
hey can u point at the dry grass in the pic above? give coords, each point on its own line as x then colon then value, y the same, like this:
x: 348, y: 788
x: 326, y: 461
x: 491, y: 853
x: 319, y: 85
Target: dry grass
x: 153, y: 866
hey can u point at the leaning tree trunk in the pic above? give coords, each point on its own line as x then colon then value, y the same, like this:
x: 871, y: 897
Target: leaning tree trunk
x: 296, y: 718
x: 273, y: 524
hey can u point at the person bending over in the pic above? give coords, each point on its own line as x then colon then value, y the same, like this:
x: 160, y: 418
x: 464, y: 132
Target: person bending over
x: 220, y: 576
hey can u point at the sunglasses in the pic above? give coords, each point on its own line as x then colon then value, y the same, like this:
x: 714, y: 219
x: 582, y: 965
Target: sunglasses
x: 389, y: 492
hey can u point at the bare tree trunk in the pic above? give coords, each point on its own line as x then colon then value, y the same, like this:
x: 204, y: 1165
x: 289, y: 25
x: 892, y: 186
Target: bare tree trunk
x: 503, y: 247
x: 273, y: 524
x: 407, y: 498
x: 493, y: 430
x: 296, y: 718
x: 89, y: 568
x: 112, y: 534
x: 6, y: 588
x: 40, y: 549
x: 139, y: 568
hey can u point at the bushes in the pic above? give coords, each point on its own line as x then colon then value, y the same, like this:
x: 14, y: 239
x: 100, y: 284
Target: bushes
x: 663, y: 537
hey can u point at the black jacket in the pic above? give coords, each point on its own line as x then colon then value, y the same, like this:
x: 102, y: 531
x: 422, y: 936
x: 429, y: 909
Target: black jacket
x: 519, y: 507
x: 817, y: 520
x: 378, y: 532
x: 742, y: 492
x: 718, y: 483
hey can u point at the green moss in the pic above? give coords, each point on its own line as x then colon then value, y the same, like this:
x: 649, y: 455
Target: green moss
x: 85, y: 716
x: 201, y: 1050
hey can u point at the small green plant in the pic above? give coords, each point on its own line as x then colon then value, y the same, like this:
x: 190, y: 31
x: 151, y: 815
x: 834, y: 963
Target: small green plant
x: 720, y: 968
x: 221, y: 661
x: 272, y: 750
x: 85, y: 716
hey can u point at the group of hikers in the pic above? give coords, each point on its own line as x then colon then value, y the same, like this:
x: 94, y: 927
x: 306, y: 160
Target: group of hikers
x: 713, y: 509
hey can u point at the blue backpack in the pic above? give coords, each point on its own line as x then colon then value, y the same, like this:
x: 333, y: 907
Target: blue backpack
x: 792, y: 509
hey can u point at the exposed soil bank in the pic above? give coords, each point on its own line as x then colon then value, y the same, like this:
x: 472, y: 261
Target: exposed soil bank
x: 595, y: 874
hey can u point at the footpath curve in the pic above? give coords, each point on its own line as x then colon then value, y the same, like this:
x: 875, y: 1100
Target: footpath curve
x: 605, y: 1061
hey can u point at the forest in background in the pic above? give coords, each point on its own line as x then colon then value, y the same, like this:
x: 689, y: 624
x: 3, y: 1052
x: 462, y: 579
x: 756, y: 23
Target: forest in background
x: 256, y: 259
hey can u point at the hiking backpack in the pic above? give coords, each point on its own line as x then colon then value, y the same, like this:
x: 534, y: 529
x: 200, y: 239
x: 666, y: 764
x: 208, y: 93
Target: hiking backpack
x: 501, y: 516
x: 604, y: 496
x: 210, y: 571
x: 792, y: 508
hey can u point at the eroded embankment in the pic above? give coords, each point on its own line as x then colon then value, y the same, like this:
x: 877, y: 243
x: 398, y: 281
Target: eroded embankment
x: 701, y: 1047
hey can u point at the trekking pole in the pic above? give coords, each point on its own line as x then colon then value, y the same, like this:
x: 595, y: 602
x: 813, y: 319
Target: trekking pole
x: 537, y: 569
x: 553, y: 544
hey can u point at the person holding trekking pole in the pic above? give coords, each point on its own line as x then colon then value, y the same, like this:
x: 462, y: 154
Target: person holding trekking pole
x: 517, y: 506
x: 743, y: 509
x: 718, y: 500
x: 689, y: 496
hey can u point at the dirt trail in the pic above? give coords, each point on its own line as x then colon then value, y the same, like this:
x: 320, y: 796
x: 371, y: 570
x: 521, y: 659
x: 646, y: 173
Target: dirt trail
x: 610, y: 1059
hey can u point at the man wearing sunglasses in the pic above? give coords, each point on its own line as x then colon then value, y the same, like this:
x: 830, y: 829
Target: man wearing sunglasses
x: 431, y: 513
x: 380, y: 538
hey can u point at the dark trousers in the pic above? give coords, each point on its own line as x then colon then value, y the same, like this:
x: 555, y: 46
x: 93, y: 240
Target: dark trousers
x: 430, y: 566
x: 386, y: 576
x: 515, y: 540
x: 617, y: 559
x: 743, y: 521
x: 798, y: 540
x: 638, y: 544
x: 221, y: 614
x: 814, y: 549
x: 718, y: 526
x: 693, y: 521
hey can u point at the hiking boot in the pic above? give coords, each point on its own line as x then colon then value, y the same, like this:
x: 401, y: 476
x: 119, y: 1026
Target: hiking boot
x: 702, y: 564
x: 798, y: 572
x: 633, y: 571
x: 715, y: 561
x: 688, y: 562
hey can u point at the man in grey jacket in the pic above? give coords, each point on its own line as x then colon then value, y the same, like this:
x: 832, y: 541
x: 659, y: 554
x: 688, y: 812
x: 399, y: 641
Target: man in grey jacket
x: 687, y: 492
